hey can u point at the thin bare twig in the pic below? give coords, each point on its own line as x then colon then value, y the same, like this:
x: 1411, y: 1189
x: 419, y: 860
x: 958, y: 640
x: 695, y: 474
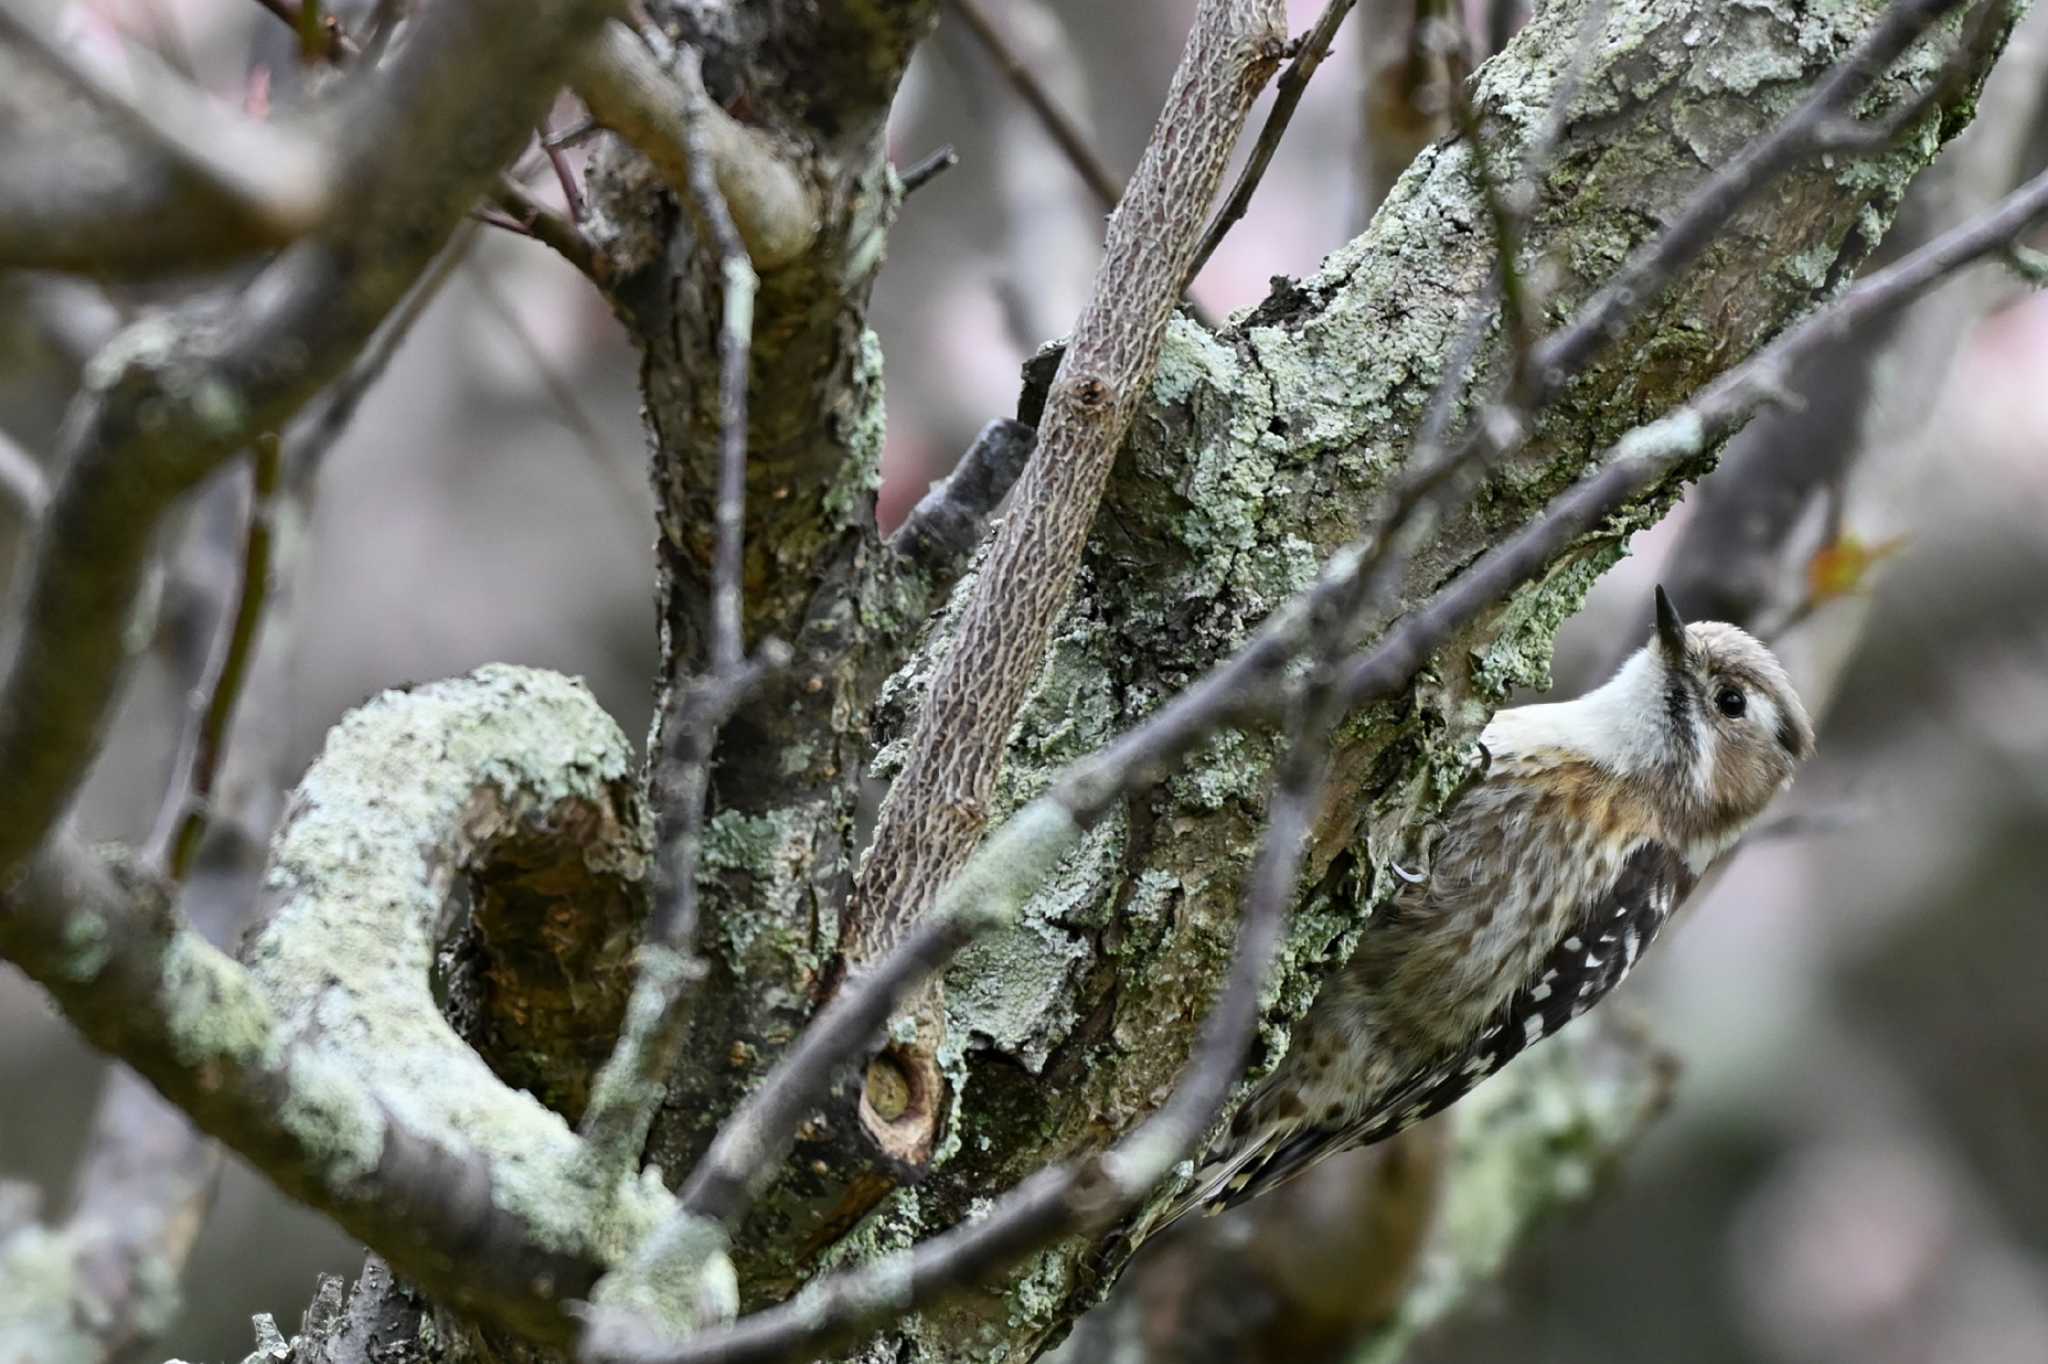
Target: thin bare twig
x: 575, y: 135
x: 529, y: 217
x: 188, y: 809
x: 565, y: 175
x: 1293, y: 82
x: 920, y: 173
x: 1102, y: 182
x: 88, y: 568
x: 629, y: 1087
x: 148, y: 1174
x: 524, y: 214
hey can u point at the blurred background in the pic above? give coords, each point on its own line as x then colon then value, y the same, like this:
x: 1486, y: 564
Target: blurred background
x: 1852, y: 1167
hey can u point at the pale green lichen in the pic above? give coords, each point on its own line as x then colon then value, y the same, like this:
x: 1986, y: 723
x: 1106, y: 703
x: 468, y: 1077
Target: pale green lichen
x: 1191, y: 358
x: 681, y: 1281
x: 1519, y: 652
x: 860, y: 427
x: 760, y: 857
x: 211, y: 1010
x: 40, y: 1291
x: 85, y: 944
x: 359, y: 878
x: 332, y: 1116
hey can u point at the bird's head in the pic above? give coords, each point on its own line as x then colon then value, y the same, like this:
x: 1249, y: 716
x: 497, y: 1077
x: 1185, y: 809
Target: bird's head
x: 1729, y: 730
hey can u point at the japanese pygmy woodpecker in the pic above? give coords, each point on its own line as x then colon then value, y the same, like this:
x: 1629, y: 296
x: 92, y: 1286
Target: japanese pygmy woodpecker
x: 1551, y: 874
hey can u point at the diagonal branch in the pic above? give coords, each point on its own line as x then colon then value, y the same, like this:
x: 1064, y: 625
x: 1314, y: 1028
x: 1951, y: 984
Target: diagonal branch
x: 1293, y: 83
x: 1065, y: 133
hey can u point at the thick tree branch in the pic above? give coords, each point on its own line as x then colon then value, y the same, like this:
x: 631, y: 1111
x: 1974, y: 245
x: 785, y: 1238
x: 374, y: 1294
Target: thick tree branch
x: 672, y: 122
x: 327, y: 1063
x: 174, y: 397
x: 938, y: 805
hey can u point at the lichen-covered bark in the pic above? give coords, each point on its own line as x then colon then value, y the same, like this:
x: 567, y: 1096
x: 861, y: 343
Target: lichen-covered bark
x: 328, y: 1061
x: 785, y: 787
x: 1261, y: 450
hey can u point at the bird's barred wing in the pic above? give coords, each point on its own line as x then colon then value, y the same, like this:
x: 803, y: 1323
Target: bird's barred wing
x: 1604, y: 943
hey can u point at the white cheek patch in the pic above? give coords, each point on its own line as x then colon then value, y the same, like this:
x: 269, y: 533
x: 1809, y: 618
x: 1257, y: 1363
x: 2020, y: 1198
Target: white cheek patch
x: 1703, y: 761
x: 1763, y: 711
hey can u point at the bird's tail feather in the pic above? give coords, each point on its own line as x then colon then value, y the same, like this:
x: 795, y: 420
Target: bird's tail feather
x: 1217, y: 1183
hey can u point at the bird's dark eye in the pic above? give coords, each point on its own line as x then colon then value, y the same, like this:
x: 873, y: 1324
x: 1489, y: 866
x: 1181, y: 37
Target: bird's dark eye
x: 1730, y: 702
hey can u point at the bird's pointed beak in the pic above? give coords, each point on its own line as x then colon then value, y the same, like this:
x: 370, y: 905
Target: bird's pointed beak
x: 1670, y: 628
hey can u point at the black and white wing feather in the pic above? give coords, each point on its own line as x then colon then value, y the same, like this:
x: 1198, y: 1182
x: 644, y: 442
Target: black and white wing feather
x: 1603, y: 944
